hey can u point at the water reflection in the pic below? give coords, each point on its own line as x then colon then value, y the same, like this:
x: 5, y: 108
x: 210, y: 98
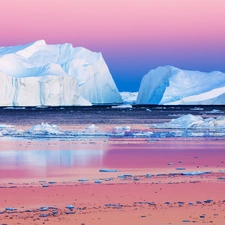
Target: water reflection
x: 42, y: 158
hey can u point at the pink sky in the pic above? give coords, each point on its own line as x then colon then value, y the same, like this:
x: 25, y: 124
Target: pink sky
x: 120, y: 26
x: 108, y: 21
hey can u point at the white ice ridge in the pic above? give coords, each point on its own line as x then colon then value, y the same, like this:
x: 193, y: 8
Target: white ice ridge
x: 53, y: 75
x: 172, y: 86
x: 191, y: 122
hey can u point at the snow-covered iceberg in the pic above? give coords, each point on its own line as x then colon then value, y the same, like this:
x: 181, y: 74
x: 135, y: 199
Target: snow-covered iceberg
x: 172, y: 86
x: 53, y: 75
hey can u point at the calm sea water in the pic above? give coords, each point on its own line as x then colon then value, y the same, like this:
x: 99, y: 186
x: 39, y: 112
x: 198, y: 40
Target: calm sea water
x: 70, y: 159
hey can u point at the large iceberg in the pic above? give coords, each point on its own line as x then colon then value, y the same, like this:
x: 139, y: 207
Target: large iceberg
x: 52, y: 75
x: 172, y: 86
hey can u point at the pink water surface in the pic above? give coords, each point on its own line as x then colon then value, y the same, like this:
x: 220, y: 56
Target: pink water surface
x: 70, y: 160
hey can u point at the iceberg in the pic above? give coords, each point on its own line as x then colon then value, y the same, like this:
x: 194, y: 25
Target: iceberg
x: 129, y: 97
x: 172, y: 86
x: 38, y: 74
x: 193, y: 122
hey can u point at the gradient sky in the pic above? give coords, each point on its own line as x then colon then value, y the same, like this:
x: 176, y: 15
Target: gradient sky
x: 134, y: 36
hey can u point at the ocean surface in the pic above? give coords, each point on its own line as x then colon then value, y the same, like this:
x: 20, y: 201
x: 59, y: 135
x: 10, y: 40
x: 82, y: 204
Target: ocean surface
x: 71, y: 159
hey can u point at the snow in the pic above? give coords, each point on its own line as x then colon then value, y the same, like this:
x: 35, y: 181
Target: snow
x: 38, y: 74
x: 172, y: 86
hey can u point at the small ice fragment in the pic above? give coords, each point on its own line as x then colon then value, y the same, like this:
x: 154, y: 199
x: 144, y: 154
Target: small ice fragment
x: 44, y: 215
x: 82, y: 180
x: 180, y: 168
x: 43, y: 208
x: 70, y: 207
x: 9, y: 209
x: 108, y: 170
x: 91, y: 127
x: 98, y: 181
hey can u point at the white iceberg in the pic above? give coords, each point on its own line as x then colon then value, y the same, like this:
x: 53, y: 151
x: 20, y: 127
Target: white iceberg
x: 38, y: 74
x: 172, y: 86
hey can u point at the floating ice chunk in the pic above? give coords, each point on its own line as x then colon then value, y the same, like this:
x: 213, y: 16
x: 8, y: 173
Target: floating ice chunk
x: 70, y: 207
x: 127, y: 128
x: 125, y: 106
x: 2, y: 126
x: 44, y: 128
x: 98, y: 181
x: 191, y: 122
x: 44, y: 215
x: 185, y: 121
x: 180, y: 168
x: 14, y: 108
x: 124, y: 176
x: 195, y: 173
x: 108, y: 170
x: 197, y: 109
x: 9, y: 209
x: 117, y: 128
x: 214, y: 111
x: 91, y: 127
x: 43, y: 208
x: 82, y: 180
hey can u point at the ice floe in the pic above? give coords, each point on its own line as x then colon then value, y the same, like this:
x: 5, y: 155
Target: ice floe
x: 44, y: 128
x: 183, y: 126
x: 190, y: 121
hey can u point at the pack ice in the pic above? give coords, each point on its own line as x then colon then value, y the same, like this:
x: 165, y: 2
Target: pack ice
x: 172, y: 86
x: 38, y: 74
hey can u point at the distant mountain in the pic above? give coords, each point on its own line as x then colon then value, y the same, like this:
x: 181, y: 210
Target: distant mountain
x: 40, y: 74
x: 172, y: 86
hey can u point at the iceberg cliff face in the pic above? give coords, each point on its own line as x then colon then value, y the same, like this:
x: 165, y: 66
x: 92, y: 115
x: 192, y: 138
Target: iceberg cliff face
x: 171, y: 86
x: 54, y: 75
